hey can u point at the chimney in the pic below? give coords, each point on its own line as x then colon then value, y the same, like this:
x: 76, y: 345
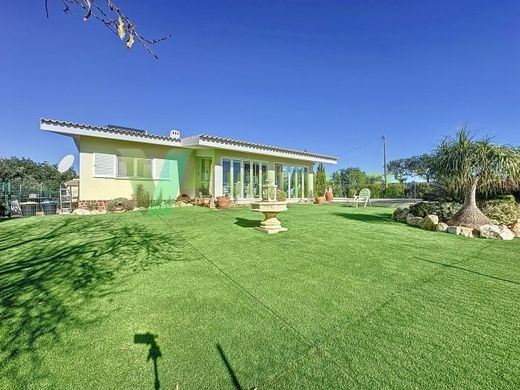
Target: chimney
x: 175, y: 134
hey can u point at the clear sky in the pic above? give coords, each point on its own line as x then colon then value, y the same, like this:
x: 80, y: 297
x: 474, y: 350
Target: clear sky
x: 327, y: 76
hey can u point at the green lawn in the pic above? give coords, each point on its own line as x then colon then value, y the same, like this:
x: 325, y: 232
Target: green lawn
x: 346, y: 298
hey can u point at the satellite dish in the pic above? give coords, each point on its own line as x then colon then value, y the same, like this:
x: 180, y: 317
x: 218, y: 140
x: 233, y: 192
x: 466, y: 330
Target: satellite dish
x: 65, y: 163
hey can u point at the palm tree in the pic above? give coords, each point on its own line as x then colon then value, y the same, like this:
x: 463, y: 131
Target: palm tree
x: 471, y: 165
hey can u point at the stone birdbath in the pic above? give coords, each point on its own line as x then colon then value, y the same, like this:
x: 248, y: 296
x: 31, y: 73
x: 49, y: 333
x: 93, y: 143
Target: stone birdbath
x: 270, y: 207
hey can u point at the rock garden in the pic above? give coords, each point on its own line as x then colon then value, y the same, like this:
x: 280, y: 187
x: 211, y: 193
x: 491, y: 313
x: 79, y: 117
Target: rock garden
x: 503, y: 214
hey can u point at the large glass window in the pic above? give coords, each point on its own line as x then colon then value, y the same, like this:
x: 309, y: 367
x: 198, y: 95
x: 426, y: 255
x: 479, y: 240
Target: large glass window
x: 243, y: 178
x: 237, y: 179
x: 226, y: 177
x: 248, y: 190
x: 293, y: 180
x: 134, y: 167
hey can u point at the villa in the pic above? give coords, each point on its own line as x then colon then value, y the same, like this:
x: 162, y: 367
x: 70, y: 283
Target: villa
x: 113, y: 160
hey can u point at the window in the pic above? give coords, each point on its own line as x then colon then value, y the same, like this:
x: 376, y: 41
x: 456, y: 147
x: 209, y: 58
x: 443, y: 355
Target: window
x: 226, y: 177
x: 134, y: 167
x: 243, y: 179
x: 125, y: 166
x: 293, y: 180
x: 237, y: 179
x: 143, y: 167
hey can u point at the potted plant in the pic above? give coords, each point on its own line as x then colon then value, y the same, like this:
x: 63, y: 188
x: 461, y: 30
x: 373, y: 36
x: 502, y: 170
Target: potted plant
x: 329, y: 195
x: 223, y: 202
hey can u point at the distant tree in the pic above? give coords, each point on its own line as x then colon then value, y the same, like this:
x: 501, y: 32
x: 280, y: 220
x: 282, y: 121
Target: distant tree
x: 30, y: 174
x: 411, y: 166
x: 113, y: 18
x: 470, y: 165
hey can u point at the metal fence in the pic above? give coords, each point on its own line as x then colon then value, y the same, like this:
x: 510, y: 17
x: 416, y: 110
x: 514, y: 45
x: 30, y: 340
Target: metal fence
x: 26, y: 201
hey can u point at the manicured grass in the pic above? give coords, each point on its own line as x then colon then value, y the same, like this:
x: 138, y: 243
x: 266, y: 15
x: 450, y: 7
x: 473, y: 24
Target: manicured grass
x: 346, y: 298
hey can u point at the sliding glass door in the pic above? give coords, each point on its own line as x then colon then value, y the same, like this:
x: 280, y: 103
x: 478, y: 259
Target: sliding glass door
x: 243, y: 179
x: 293, y: 180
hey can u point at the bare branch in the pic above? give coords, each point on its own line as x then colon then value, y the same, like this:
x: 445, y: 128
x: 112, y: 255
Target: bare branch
x: 115, y: 20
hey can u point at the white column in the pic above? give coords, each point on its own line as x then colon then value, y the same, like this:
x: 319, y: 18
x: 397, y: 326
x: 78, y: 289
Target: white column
x: 217, y: 179
x: 310, y: 176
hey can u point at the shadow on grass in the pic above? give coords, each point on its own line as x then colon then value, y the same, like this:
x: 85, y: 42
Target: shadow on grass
x: 232, y: 376
x: 468, y: 270
x: 247, y: 223
x: 154, y: 353
x: 50, y: 273
x: 368, y: 218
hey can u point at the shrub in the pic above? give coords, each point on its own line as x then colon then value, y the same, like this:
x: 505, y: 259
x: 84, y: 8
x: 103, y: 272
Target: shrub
x: 444, y: 210
x: 3, y: 209
x: 91, y: 206
x: 394, y: 190
x: 120, y: 204
x: 503, y: 210
x: 142, y: 198
x: 320, y: 181
x: 281, y: 196
x: 183, y: 198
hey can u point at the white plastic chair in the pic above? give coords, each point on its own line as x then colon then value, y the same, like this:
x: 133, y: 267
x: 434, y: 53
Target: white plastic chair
x: 363, y: 197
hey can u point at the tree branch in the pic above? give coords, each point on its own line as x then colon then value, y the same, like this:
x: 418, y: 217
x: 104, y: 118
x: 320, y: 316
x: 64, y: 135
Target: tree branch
x: 114, y: 19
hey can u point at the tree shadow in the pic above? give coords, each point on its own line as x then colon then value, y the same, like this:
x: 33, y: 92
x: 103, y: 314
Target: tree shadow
x: 154, y: 353
x: 468, y: 270
x: 231, y: 372
x: 247, y: 223
x: 368, y: 218
x: 50, y: 273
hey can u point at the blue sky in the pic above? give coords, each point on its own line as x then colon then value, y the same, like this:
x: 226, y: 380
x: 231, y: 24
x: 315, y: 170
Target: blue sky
x: 327, y: 76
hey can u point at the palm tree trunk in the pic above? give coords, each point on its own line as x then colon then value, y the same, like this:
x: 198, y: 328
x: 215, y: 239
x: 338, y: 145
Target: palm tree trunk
x: 470, y: 215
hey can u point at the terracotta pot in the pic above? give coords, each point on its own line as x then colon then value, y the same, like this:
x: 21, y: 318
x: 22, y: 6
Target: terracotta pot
x: 222, y: 202
x: 319, y: 199
x: 328, y: 195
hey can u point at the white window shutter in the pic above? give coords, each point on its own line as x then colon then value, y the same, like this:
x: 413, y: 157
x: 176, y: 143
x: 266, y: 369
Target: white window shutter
x: 104, y: 165
x: 161, y: 169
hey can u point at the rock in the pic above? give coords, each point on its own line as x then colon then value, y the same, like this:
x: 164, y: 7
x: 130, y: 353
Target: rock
x: 78, y: 211
x: 501, y: 232
x: 87, y: 212
x: 463, y: 231
x: 103, y: 211
x: 442, y: 227
x: 95, y: 212
x: 515, y: 227
x: 400, y: 214
x: 413, y: 220
x: 430, y: 222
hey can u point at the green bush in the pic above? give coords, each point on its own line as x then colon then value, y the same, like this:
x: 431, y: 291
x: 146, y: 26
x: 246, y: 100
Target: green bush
x: 142, y: 198
x: 120, y: 204
x: 394, y: 190
x: 503, y: 210
x: 281, y: 196
x: 3, y: 209
x: 444, y: 210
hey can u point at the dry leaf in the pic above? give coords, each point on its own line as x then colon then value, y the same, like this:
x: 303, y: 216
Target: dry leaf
x: 130, y: 41
x: 121, y: 28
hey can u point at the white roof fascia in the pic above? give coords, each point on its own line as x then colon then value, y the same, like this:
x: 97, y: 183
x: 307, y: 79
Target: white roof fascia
x: 75, y: 131
x: 198, y: 141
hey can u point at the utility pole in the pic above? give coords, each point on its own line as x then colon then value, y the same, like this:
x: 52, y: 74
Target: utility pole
x: 384, y: 159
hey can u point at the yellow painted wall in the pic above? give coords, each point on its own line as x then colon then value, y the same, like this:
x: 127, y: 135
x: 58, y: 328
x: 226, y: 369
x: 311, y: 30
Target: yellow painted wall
x: 186, y: 176
x: 97, y: 188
